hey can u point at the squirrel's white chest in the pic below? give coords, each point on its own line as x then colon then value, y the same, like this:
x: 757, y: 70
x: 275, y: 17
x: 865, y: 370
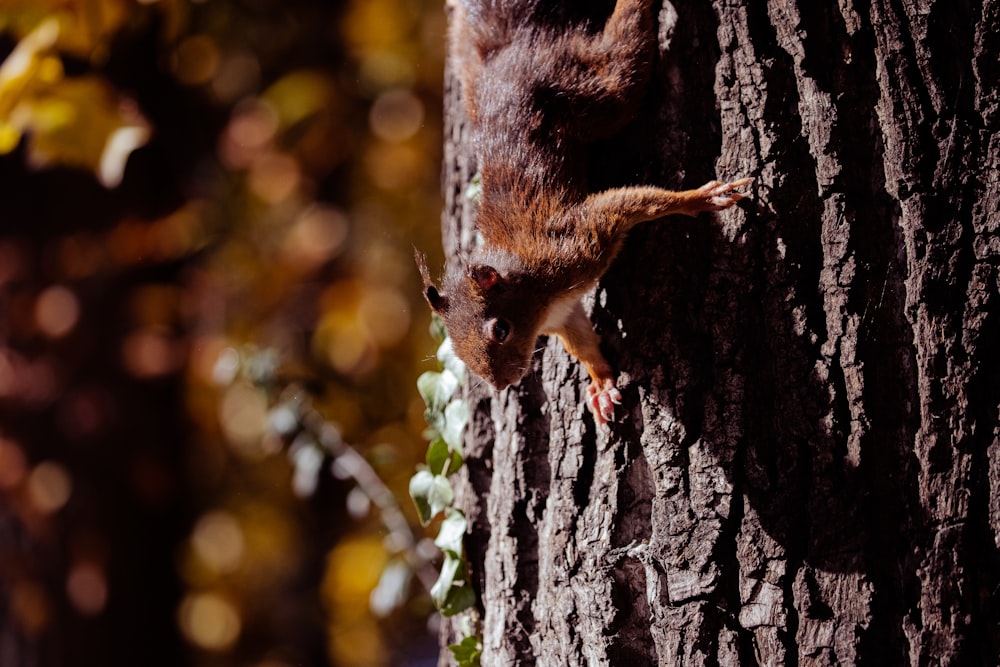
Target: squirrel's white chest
x: 558, y: 314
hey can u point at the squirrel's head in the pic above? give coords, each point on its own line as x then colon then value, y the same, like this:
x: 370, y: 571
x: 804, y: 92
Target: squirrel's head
x: 492, y: 318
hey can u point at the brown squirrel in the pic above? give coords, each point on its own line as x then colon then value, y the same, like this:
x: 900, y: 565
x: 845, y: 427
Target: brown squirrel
x: 536, y: 91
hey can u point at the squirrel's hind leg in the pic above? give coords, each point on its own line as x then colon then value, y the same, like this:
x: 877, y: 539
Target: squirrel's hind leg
x: 603, y: 76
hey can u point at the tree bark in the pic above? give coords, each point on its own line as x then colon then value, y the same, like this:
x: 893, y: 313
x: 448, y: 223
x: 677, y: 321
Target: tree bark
x: 806, y: 467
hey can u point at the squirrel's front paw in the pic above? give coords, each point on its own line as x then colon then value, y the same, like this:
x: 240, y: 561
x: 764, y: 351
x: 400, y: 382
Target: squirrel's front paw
x: 716, y: 196
x: 602, y: 398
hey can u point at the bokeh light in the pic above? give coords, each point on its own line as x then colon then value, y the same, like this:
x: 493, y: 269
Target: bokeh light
x: 243, y: 417
x: 56, y: 311
x: 237, y: 74
x: 49, y: 486
x: 218, y: 541
x: 393, y: 166
x: 385, y: 314
x: 217, y: 230
x: 209, y: 621
x: 150, y: 352
x: 196, y: 60
x: 316, y: 237
x: 87, y: 588
x: 251, y: 130
x: 396, y: 115
x: 352, y: 573
x: 274, y: 177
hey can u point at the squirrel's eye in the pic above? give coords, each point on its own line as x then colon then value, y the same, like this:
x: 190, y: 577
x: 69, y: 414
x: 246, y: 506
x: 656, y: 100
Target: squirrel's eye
x: 500, y: 330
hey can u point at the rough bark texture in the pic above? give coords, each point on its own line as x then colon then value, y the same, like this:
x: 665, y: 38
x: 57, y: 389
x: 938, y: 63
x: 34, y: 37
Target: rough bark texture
x: 807, y: 470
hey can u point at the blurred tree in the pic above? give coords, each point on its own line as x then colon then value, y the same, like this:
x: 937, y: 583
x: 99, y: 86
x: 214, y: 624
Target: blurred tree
x: 186, y: 181
x: 806, y: 470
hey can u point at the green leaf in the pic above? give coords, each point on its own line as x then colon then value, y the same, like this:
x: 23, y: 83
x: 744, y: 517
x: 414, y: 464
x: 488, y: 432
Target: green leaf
x: 467, y: 652
x: 437, y: 388
x: 459, y: 599
x: 435, y: 422
x: 437, y: 329
x: 441, y: 459
x: 449, y: 539
x: 437, y: 455
x: 431, y: 494
x: 420, y: 490
x: 427, y: 385
x: 456, y: 416
x: 450, y: 361
x: 450, y: 593
x: 445, y: 581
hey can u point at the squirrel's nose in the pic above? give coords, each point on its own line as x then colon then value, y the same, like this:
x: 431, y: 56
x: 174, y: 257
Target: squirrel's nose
x: 501, y: 378
x: 501, y: 381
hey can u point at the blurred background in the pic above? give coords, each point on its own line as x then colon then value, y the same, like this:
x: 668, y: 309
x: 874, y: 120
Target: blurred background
x: 211, y: 329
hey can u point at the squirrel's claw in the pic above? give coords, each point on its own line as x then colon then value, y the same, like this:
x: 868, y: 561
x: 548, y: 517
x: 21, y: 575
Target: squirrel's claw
x: 716, y: 196
x: 602, y: 401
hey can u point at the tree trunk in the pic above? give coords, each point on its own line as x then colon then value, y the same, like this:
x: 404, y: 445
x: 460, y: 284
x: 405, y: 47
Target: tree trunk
x: 806, y: 467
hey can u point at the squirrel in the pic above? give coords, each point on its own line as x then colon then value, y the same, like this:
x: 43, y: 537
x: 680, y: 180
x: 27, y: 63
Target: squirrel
x: 536, y: 92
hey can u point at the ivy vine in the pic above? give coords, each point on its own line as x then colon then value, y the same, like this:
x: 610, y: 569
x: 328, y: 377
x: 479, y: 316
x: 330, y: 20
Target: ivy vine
x: 447, y: 415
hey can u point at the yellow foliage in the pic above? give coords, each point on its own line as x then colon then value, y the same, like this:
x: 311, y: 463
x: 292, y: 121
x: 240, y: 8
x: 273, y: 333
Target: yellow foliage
x: 81, y: 122
x: 21, y: 73
x: 86, y: 26
x: 84, y: 121
x: 299, y: 95
x: 353, y: 569
x: 377, y: 25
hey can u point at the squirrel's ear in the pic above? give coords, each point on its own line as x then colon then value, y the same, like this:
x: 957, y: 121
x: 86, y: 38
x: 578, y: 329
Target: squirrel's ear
x: 483, y: 276
x: 439, y: 302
